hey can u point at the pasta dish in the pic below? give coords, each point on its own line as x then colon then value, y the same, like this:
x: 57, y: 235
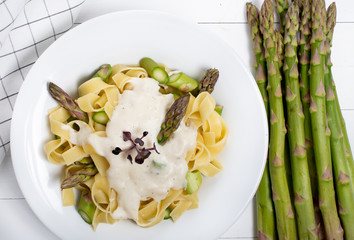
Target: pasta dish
x: 136, y: 143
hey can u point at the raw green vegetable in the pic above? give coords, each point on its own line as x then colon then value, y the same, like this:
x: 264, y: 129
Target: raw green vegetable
x: 154, y: 70
x: 343, y: 187
x: 86, y: 207
x: 280, y: 54
x: 300, y: 173
x: 320, y: 130
x: 183, y: 82
x: 286, y: 225
x: 282, y: 7
x: 100, y: 117
x: 343, y: 128
x: 194, y: 180
x: 304, y: 67
x: 265, y: 209
x: 348, y: 150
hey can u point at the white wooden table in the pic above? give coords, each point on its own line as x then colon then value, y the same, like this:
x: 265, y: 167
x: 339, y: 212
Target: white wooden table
x: 227, y: 18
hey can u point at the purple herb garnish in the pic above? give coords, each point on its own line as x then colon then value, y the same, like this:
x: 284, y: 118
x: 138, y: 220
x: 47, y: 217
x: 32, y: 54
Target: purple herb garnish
x: 130, y: 158
x: 142, y: 153
x: 116, y: 151
x: 153, y: 148
x: 127, y: 136
x: 139, y: 141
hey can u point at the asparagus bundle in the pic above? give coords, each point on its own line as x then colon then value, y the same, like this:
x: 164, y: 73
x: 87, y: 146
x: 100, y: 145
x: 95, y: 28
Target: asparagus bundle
x: 286, y: 225
x: 265, y: 208
x: 316, y: 128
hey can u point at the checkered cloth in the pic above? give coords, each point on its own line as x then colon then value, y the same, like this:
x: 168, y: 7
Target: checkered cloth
x: 27, y: 28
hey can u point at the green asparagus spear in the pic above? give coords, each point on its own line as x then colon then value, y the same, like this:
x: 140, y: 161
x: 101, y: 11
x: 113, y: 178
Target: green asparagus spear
x: 167, y: 214
x: 219, y: 109
x: 348, y: 150
x: 86, y: 206
x: 304, y: 67
x: 194, y: 180
x: 73, y: 180
x: 154, y: 70
x: 282, y: 7
x: 64, y: 100
x: 258, y: 49
x: 344, y: 189
x: 89, y: 170
x: 104, y: 72
x: 100, y: 117
x: 300, y: 173
x: 209, y: 80
x: 287, y: 164
x: 173, y: 118
x: 286, y: 224
x: 183, y: 82
x: 265, y: 209
x: 79, y: 176
x: 85, y: 161
x: 320, y: 130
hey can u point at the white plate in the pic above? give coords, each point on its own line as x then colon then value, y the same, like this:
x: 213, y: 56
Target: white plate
x: 125, y: 37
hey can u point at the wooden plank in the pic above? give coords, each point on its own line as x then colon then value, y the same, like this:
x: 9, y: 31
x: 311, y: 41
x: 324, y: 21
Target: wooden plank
x: 19, y: 222
x: 237, y: 35
x: 200, y: 11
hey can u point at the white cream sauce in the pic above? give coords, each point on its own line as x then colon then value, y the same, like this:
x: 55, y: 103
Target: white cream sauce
x: 142, y: 109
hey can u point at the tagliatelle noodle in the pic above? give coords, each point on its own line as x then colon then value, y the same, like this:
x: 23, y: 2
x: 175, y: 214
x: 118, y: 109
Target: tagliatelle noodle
x: 121, y: 74
x: 212, y: 134
x: 96, y: 95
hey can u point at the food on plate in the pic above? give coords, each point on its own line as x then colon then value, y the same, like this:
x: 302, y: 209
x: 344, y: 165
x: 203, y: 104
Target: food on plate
x: 307, y: 189
x: 135, y: 145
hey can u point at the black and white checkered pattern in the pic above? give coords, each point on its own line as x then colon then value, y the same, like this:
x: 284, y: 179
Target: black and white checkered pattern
x: 27, y: 28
